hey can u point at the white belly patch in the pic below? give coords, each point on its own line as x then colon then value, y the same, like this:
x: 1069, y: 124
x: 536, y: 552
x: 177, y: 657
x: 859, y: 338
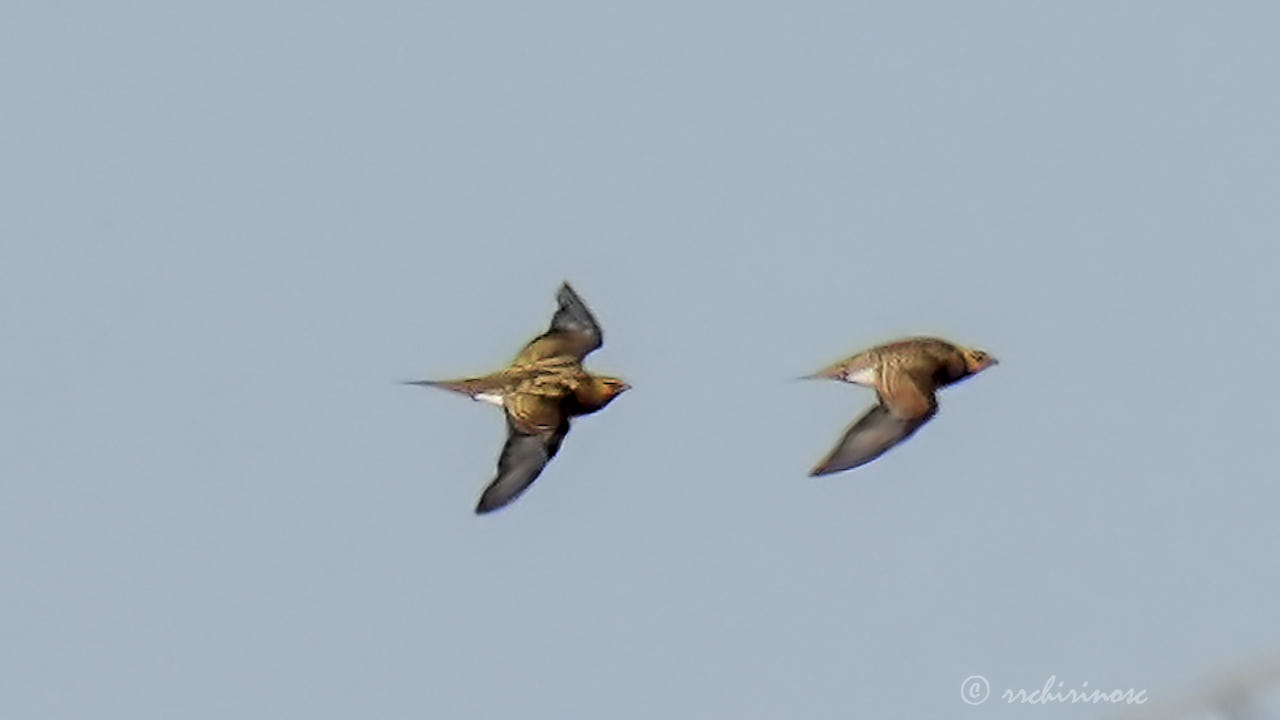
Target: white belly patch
x: 865, y: 376
x: 493, y: 398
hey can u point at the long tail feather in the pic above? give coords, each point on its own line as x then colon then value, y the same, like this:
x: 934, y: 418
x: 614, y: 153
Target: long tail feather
x: 466, y: 386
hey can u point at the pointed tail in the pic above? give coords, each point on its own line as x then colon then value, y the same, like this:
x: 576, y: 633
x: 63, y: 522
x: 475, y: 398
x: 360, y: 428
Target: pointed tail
x: 467, y: 386
x: 424, y: 383
x: 460, y: 386
x: 831, y: 372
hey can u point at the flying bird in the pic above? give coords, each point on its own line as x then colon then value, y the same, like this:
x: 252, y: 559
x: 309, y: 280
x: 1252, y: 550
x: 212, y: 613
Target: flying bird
x: 539, y: 391
x: 906, y: 375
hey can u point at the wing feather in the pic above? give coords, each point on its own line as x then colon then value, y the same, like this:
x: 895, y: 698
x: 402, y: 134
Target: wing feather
x: 523, y: 457
x: 869, y: 438
x: 573, y: 332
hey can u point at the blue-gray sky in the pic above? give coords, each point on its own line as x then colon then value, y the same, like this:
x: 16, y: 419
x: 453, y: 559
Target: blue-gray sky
x: 230, y: 228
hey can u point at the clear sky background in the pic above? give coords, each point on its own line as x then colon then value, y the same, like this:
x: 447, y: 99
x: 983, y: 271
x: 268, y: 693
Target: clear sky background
x: 229, y: 229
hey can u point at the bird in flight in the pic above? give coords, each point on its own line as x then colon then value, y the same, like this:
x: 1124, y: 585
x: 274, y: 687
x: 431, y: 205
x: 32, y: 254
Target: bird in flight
x: 906, y: 375
x: 539, y: 391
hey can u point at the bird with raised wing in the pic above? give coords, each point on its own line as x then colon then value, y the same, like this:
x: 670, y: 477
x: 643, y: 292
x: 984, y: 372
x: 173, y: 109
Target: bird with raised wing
x: 539, y: 391
x: 906, y: 375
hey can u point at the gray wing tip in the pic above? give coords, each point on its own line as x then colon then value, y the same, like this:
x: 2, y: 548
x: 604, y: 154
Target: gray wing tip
x: 827, y: 467
x: 566, y: 291
x: 824, y: 466
x: 569, y: 300
x: 493, y: 499
x: 574, y: 315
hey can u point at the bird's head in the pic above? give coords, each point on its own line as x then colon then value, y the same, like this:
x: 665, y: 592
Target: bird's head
x: 599, y: 391
x: 610, y: 388
x: 975, y: 361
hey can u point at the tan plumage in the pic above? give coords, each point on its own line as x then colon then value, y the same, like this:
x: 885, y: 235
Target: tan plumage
x: 540, y: 390
x: 906, y: 375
